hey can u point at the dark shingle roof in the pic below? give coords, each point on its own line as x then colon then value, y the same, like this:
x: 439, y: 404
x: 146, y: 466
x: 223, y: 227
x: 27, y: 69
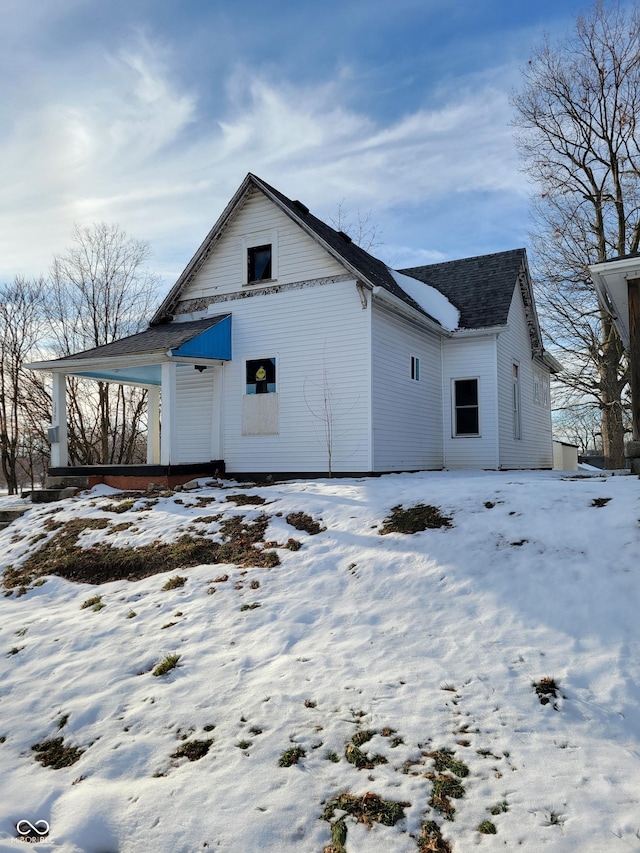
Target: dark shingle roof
x: 155, y: 339
x: 371, y: 269
x: 481, y: 287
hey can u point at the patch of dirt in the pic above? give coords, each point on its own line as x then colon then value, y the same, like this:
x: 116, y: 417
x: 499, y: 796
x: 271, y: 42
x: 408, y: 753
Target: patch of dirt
x: 414, y: 519
x: 53, y: 753
x: 302, y: 521
x: 61, y: 555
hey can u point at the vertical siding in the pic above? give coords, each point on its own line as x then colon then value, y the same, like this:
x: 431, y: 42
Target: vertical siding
x: 320, y: 339
x: 195, y: 414
x: 468, y: 359
x: 534, y: 449
x: 406, y: 414
x: 299, y: 258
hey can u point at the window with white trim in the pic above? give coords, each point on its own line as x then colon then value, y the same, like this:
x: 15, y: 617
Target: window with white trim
x: 415, y: 368
x: 466, y: 408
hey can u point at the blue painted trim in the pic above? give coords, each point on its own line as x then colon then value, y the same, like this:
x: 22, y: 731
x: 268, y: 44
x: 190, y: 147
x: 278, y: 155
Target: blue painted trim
x: 215, y: 342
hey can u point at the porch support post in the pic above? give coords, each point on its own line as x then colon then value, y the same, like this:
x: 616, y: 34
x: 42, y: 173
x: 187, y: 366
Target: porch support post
x: 169, y: 434
x: 153, y: 425
x: 59, y: 441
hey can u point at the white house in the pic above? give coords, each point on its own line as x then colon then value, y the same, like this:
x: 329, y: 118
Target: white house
x: 284, y: 348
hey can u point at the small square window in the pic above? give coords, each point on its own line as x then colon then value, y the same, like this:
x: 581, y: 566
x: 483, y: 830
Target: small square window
x: 259, y: 263
x: 261, y: 376
x: 466, y: 410
x: 415, y: 368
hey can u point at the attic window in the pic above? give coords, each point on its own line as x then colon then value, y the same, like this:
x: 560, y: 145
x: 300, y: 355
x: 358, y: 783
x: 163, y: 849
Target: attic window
x: 259, y: 263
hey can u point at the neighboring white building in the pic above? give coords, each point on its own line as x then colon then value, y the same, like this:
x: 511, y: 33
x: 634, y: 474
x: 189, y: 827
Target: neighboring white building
x: 284, y: 348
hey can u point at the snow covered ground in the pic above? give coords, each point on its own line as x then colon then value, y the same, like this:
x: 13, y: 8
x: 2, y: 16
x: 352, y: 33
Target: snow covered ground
x: 428, y: 642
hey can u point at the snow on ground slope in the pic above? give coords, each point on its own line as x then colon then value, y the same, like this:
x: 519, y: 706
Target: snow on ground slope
x: 420, y: 643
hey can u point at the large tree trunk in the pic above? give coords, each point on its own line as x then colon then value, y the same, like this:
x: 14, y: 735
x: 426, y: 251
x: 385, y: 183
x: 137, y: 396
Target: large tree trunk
x: 611, y: 386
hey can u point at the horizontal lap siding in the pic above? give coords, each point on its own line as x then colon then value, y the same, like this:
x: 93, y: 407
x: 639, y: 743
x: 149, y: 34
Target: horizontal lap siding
x: 315, y: 331
x: 406, y: 414
x: 467, y: 359
x: 534, y: 449
x: 194, y: 404
x: 299, y: 257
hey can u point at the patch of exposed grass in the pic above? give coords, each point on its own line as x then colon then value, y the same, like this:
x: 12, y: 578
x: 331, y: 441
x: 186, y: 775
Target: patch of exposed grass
x: 166, y: 665
x: 487, y: 828
x: 101, y: 563
x: 367, y: 809
x: 362, y: 737
x: 244, y: 744
x: 302, y: 521
x: 53, y: 753
x: 120, y: 506
x: 414, y: 519
x: 175, y: 582
x: 253, y: 606
x: 445, y: 788
x: 131, y: 614
x: 291, y: 756
x: 333, y: 757
x: 431, y: 840
x: 444, y: 759
x: 194, y: 750
x: 600, y: 502
x: 499, y: 808
x: 62, y: 722
x: 95, y: 603
x: 246, y: 500
x: 293, y: 544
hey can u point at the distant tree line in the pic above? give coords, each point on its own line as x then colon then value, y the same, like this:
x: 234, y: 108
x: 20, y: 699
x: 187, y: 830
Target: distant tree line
x: 97, y: 291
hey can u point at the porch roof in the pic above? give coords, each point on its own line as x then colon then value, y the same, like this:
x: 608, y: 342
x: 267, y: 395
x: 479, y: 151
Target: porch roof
x: 136, y: 359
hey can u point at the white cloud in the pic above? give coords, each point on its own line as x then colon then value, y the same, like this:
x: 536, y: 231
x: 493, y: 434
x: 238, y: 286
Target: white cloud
x: 128, y: 144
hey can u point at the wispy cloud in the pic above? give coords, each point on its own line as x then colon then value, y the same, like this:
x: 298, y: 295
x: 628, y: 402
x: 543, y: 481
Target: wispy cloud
x: 129, y: 143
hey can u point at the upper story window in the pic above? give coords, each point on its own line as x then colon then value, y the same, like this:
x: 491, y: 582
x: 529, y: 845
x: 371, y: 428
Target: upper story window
x: 259, y: 263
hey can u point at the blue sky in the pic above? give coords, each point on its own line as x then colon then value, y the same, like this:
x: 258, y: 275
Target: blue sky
x: 149, y: 113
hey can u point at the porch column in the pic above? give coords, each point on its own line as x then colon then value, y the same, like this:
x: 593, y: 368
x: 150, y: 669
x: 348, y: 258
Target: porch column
x: 153, y: 425
x: 58, y: 432
x: 169, y: 434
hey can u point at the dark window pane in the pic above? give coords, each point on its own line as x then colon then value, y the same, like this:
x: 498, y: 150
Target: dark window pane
x: 259, y: 260
x: 467, y: 392
x: 261, y: 376
x: 467, y: 421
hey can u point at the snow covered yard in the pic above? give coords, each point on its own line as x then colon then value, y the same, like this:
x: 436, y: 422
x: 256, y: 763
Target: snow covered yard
x: 400, y: 667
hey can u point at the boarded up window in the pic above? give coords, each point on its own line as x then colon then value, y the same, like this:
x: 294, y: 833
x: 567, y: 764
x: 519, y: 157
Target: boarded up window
x: 261, y: 376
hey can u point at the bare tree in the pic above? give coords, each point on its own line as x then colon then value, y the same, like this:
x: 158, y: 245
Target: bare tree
x: 100, y: 290
x: 361, y: 227
x: 322, y: 404
x: 21, y: 321
x: 578, y: 116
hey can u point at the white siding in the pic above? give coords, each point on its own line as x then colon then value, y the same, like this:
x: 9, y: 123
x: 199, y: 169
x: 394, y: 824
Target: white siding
x: 534, y: 448
x: 320, y: 339
x: 195, y: 414
x: 406, y: 414
x: 471, y: 358
x: 299, y: 258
